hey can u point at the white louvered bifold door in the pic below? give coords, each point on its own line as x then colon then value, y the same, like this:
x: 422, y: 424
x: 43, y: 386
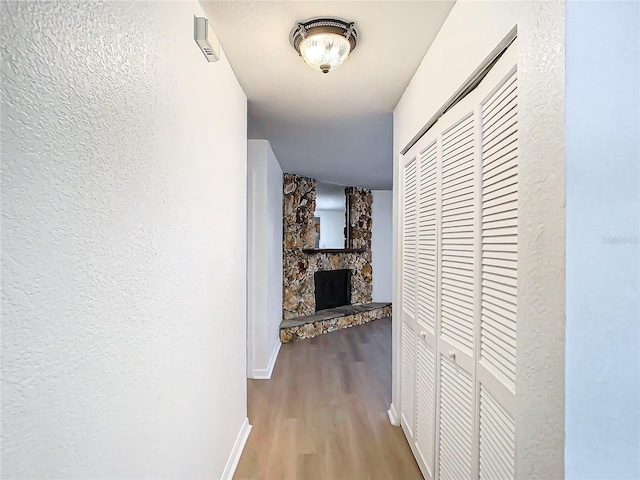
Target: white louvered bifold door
x: 459, y: 284
x: 427, y: 278
x: 457, y: 234
x: 425, y: 404
x: 409, y: 269
x: 458, y: 247
x: 427, y: 206
x: 407, y: 391
x: 456, y: 421
x: 499, y: 271
x: 409, y: 226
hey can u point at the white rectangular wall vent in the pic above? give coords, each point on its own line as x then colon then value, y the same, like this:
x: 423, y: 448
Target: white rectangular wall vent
x: 206, y: 39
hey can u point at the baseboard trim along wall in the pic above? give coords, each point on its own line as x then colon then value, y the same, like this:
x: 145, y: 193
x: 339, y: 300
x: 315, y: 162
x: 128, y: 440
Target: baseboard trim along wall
x: 265, y: 373
x: 236, y: 451
x: 393, y: 416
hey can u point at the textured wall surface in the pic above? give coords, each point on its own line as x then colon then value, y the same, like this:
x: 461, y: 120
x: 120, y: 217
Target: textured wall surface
x: 603, y: 226
x: 471, y: 32
x: 381, y: 245
x: 264, y: 262
x: 123, y: 252
x: 299, y: 233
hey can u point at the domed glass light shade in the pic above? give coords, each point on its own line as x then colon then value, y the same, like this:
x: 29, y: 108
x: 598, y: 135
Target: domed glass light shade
x: 324, y: 43
x: 325, y: 51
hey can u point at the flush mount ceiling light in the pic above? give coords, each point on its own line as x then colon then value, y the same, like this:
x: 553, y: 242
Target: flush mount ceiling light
x: 324, y: 43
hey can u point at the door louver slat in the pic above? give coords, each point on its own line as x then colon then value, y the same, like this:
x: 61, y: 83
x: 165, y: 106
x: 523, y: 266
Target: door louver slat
x: 497, y: 439
x: 427, y: 238
x: 459, y: 161
x: 498, y: 125
x: 425, y: 408
x: 409, y: 239
x: 503, y: 91
x: 497, y: 147
x: 500, y: 237
x: 456, y: 422
x: 408, y: 374
x: 457, y: 228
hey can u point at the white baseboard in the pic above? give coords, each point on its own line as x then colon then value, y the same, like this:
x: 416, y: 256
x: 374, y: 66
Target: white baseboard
x: 393, y: 416
x: 236, y: 452
x: 265, y: 373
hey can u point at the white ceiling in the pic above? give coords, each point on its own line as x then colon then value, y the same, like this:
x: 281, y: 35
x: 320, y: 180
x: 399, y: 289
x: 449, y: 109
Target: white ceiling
x: 335, y: 127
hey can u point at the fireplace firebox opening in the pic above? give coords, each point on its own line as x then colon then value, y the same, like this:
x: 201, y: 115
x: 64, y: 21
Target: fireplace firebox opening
x: 333, y: 288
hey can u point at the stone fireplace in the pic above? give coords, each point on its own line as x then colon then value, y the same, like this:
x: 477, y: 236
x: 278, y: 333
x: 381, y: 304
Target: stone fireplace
x: 304, y: 315
x: 299, y: 234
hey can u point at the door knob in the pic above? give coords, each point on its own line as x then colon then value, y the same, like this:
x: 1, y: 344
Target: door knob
x: 452, y: 355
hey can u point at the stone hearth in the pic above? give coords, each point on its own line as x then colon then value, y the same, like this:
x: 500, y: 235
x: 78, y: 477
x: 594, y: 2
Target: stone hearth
x: 325, y: 321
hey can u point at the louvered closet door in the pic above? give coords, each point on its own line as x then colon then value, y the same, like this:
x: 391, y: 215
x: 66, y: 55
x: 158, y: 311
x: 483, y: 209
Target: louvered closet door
x: 409, y: 269
x: 458, y: 257
x: 408, y: 378
x: 478, y: 266
x: 499, y: 272
x: 426, y: 248
x: 459, y: 284
x: 427, y: 278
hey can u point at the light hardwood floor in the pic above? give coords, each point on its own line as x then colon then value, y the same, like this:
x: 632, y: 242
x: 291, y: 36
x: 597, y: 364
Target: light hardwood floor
x: 323, y: 414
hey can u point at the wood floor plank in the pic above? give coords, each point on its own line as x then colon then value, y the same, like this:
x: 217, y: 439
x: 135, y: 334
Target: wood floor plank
x: 323, y: 413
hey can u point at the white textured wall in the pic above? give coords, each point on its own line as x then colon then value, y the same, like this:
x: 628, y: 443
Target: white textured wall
x: 123, y: 244
x: 265, y: 257
x: 332, y: 224
x: 382, y: 236
x: 603, y: 227
x: 470, y: 33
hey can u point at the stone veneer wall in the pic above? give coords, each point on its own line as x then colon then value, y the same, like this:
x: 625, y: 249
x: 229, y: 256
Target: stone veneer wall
x: 299, y: 233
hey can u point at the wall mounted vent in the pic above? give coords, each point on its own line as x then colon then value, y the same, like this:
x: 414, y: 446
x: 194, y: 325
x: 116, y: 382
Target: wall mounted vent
x: 206, y: 39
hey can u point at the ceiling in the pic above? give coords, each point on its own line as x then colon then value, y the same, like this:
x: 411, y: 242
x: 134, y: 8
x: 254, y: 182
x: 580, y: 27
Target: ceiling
x: 336, y: 127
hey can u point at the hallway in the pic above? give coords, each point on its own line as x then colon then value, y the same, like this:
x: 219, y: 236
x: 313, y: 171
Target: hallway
x: 323, y: 414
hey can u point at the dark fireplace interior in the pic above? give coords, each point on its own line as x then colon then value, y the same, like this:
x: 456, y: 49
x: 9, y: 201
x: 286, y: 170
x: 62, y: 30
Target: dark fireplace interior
x: 333, y: 288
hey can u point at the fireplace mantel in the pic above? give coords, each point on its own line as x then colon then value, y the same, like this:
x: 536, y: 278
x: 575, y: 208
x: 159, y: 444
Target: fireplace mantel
x: 311, y: 251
